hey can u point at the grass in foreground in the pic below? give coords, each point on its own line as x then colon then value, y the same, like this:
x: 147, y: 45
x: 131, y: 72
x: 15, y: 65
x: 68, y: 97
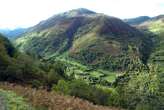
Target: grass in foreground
x: 11, y: 101
x: 51, y: 100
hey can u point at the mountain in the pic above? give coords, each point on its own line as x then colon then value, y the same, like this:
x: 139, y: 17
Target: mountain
x: 137, y: 20
x: 13, y: 34
x: 54, y: 20
x: 87, y: 37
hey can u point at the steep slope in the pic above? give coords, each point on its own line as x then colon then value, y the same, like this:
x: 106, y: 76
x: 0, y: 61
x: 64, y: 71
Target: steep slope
x: 6, y: 52
x: 87, y: 37
x: 17, y: 67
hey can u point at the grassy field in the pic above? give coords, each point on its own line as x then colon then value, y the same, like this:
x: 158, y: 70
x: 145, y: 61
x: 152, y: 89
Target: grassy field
x: 93, y: 76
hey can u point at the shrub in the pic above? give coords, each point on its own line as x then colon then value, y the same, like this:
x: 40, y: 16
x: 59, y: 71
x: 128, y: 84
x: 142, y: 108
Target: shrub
x: 62, y: 87
x: 79, y: 88
x: 36, y: 83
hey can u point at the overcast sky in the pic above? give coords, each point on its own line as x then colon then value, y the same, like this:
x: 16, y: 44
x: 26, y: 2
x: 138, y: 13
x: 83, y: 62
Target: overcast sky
x: 25, y: 13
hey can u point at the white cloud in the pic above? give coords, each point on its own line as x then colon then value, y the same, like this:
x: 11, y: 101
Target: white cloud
x: 15, y: 13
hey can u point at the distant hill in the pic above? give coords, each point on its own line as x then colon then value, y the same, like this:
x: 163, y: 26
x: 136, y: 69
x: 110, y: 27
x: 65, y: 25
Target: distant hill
x: 88, y: 37
x: 13, y: 34
x: 137, y: 20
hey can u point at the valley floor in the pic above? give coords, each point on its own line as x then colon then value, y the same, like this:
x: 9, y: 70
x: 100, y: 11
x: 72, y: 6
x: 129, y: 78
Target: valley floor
x: 51, y: 100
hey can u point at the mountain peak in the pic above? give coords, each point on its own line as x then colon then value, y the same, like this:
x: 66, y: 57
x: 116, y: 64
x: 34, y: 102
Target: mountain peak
x: 62, y: 16
x: 79, y: 11
x: 83, y: 10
